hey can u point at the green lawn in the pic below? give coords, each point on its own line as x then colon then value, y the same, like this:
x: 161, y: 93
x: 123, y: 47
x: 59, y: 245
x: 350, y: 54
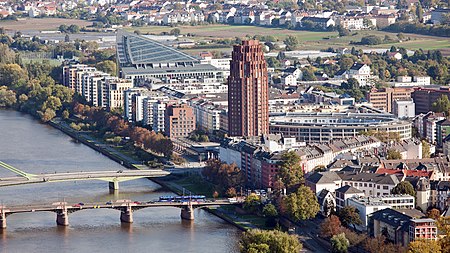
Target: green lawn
x: 195, y: 185
x: 308, y: 40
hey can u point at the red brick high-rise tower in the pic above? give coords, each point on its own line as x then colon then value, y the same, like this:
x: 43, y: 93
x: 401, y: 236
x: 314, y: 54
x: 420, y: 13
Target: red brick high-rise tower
x: 248, y: 91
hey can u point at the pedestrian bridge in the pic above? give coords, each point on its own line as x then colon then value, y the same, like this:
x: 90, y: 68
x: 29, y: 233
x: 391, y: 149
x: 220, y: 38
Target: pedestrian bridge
x: 113, y: 177
x: 126, y: 208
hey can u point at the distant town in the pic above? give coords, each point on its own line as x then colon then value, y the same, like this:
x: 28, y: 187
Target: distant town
x: 326, y: 120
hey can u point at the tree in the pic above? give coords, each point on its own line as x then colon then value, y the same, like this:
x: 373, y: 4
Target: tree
x: 346, y: 63
x: 270, y: 210
x: 11, y: 74
x: 393, y: 154
x: 434, y: 214
x: 442, y: 104
x: 425, y: 149
x: 107, y: 66
x: 231, y: 192
x: 330, y: 226
x: 175, y: 31
x: 7, y: 97
x: 419, y: 12
x: 404, y: 187
x: 269, y: 241
x: 291, y: 43
x: 252, y: 203
x: 371, y: 40
x: 47, y: 115
x: 290, y: 172
x: 339, y: 243
x: 301, y: 205
x: 424, y: 246
x: 349, y: 215
x: 443, y: 225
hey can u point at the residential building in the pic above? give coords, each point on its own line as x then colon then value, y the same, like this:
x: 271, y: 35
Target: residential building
x: 179, y: 120
x: 71, y: 74
x: 323, y: 23
x: 116, y: 91
x: 383, y: 99
x: 351, y: 22
x: 344, y: 193
x: 404, y: 109
x: 248, y: 106
x: 401, y: 228
x: 365, y: 207
x: 207, y: 115
x: 425, y: 97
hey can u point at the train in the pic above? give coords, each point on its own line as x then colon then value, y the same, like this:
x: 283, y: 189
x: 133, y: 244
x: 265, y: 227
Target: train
x: 198, y: 198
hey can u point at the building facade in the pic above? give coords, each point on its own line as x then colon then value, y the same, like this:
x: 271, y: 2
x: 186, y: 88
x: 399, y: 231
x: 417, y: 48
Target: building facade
x: 248, y: 99
x: 179, y: 120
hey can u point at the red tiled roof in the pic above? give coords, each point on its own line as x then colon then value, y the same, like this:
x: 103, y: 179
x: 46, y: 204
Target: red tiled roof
x: 408, y: 173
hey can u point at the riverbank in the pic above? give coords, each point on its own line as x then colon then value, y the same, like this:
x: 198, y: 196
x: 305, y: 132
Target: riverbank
x: 130, y: 163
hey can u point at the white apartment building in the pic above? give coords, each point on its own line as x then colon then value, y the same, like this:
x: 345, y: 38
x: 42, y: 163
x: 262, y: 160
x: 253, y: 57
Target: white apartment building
x: 368, y: 205
x: 404, y: 109
x: 207, y: 115
x: 116, y: 91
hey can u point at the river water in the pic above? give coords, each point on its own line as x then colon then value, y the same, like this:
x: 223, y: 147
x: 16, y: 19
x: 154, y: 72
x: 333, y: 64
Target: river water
x: 37, y: 148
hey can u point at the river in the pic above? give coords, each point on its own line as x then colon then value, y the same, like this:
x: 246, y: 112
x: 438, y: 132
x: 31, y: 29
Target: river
x: 38, y: 148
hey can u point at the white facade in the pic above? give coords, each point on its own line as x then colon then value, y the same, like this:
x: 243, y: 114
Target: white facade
x: 207, y: 116
x: 422, y: 80
x: 366, y: 207
x: 404, y: 109
x: 229, y: 155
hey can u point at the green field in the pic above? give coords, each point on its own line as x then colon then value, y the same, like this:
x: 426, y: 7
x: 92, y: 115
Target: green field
x: 309, y: 40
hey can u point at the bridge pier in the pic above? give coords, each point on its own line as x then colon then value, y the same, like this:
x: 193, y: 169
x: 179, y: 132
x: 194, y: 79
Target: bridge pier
x: 126, y: 215
x: 62, y: 217
x: 114, y: 186
x: 3, y: 220
x: 187, y: 212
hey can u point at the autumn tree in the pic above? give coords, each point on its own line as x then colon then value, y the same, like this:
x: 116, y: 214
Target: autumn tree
x: 231, y: 192
x: 302, y: 204
x: 330, y: 226
x: 268, y: 241
x: 349, y: 215
x: 290, y: 172
x: 443, y: 225
x: 11, y: 74
x: 393, y: 154
x: 252, y: 203
x: 7, y: 97
x: 339, y: 243
x: 404, y: 187
x: 223, y: 175
x: 107, y: 66
x: 434, y: 214
x: 425, y: 149
x: 424, y: 246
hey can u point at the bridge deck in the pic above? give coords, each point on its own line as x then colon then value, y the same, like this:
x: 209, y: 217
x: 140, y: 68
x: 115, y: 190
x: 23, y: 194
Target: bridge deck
x: 114, y: 205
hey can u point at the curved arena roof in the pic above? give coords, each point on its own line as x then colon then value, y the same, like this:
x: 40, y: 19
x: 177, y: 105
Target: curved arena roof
x: 133, y: 49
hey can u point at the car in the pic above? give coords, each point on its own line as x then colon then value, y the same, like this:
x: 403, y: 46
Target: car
x: 108, y: 203
x: 77, y: 205
x: 151, y: 202
x: 81, y: 204
x: 137, y: 202
x: 120, y: 171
